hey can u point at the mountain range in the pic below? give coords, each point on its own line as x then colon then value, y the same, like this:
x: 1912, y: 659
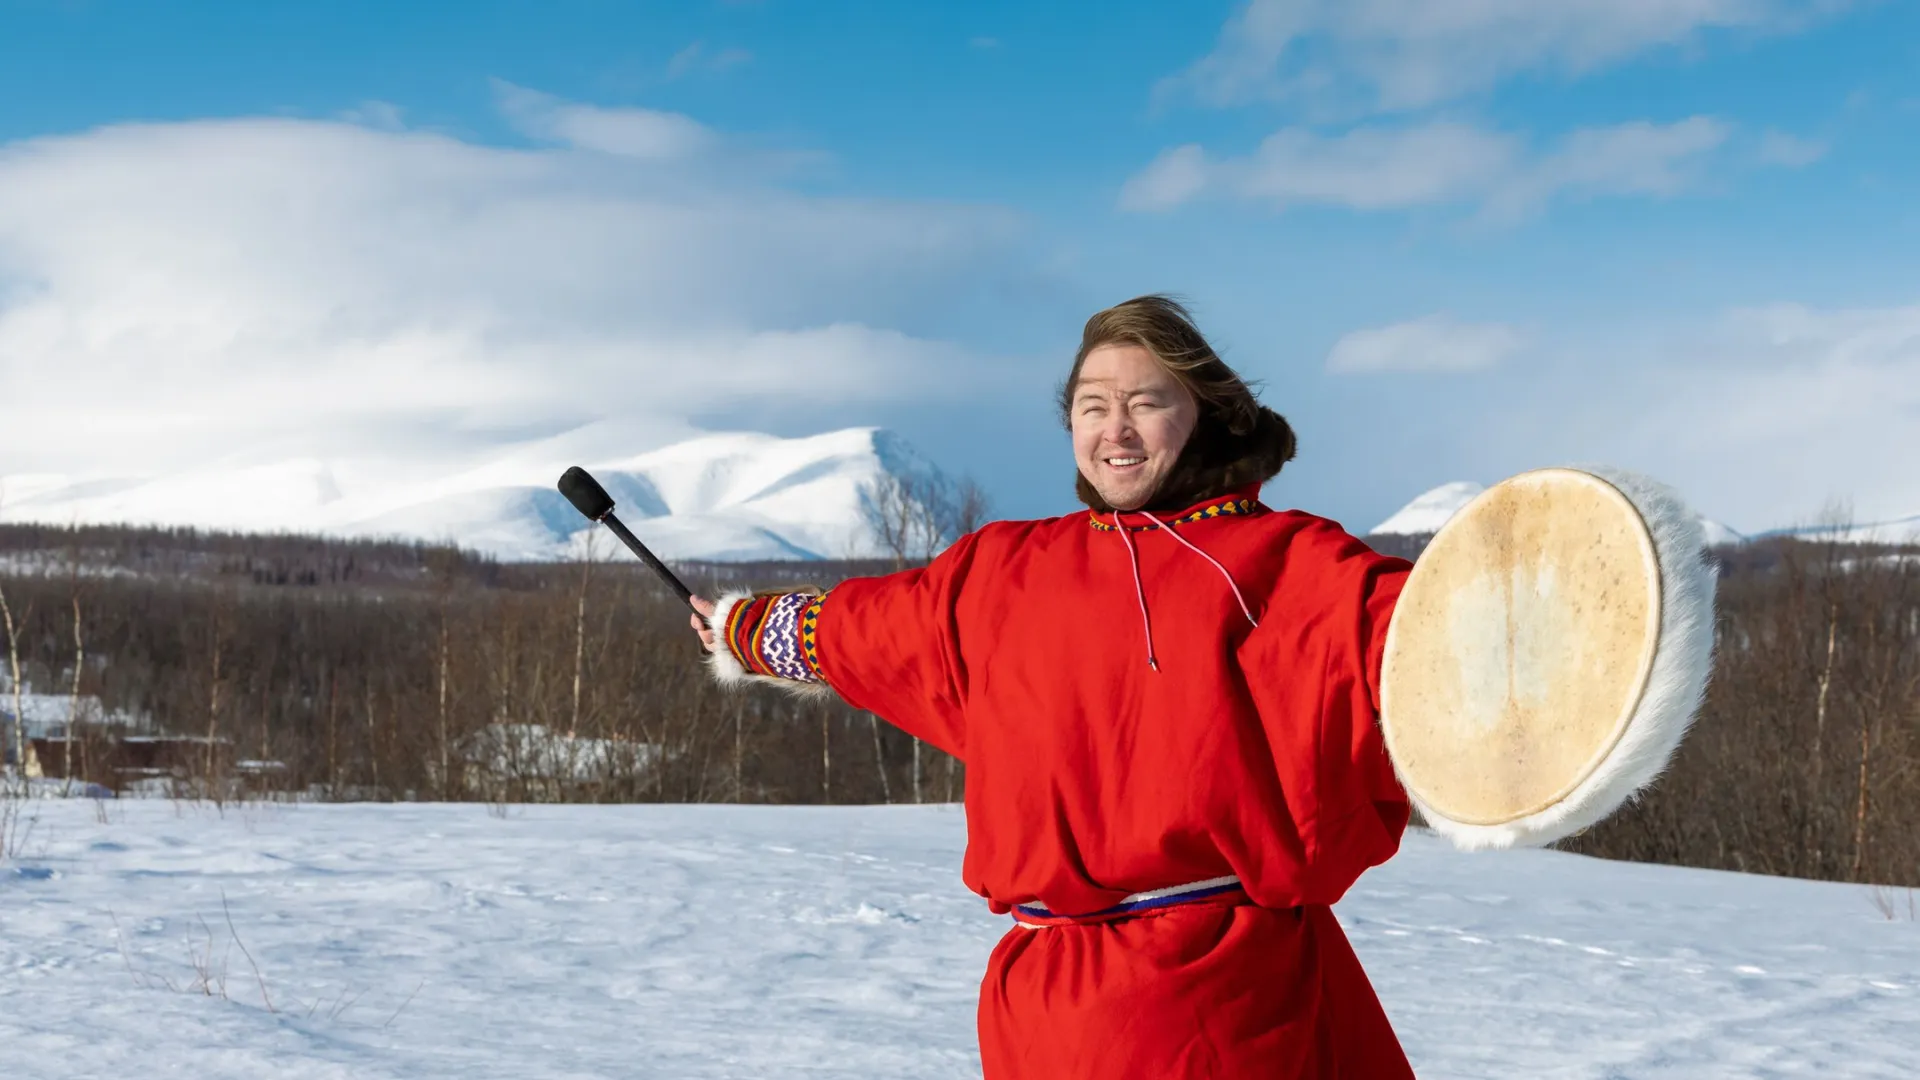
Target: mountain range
x: 724, y: 497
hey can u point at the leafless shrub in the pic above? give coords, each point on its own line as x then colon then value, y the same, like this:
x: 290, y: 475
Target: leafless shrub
x: 208, y: 959
x: 1892, y: 905
x: 17, y: 821
x: 209, y: 978
x: 234, y: 933
x: 403, y: 1005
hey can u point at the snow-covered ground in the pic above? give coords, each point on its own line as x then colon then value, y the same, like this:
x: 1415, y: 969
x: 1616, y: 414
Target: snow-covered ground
x: 640, y: 941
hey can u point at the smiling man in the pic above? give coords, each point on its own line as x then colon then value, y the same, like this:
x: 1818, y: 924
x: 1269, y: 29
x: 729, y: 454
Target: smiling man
x: 1166, y: 705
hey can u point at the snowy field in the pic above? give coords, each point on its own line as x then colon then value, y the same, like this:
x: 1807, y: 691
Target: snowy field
x: 442, y: 941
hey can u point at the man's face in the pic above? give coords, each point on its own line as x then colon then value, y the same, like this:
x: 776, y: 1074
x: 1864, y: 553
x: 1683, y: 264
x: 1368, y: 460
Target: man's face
x: 1130, y: 420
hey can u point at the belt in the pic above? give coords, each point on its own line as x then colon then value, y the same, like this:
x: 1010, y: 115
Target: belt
x: 1037, y: 914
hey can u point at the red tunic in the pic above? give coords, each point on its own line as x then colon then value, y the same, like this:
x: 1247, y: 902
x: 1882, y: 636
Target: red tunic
x: 1250, y: 751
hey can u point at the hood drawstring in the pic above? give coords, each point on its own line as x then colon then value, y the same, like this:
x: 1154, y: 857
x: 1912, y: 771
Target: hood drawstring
x: 1140, y: 589
x: 1191, y: 546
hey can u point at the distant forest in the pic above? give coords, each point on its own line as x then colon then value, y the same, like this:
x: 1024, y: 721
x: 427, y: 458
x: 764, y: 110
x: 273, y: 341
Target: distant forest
x: 367, y: 670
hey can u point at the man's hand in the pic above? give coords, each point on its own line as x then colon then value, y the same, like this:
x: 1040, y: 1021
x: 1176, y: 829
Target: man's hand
x: 699, y: 622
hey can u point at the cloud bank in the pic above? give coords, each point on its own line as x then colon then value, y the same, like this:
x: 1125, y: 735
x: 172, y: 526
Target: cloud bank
x: 251, y: 290
x: 1762, y: 416
x: 1437, y: 164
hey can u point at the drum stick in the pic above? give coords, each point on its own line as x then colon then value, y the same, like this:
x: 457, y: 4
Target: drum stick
x: 592, y: 500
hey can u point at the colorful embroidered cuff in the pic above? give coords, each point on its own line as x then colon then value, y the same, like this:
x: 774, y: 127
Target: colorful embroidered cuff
x: 768, y: 636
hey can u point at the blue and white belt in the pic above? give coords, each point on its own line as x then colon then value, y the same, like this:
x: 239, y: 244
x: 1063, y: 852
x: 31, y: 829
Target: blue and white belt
x: 1038, y: 914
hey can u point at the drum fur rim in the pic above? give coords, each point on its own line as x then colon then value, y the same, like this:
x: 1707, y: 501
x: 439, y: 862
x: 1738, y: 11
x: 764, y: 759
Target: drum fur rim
x: 1671, y: 695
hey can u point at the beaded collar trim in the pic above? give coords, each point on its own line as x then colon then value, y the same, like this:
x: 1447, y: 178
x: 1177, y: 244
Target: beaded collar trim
x: 1231, y: 507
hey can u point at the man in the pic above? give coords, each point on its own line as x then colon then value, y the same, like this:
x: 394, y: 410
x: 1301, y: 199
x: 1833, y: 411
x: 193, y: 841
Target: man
x: 1166, y: 705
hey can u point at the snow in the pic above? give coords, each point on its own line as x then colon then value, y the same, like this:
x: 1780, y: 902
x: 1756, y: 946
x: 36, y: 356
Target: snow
x: 1429, y: 510
x: 726, y: 497
x: 1904, y: 530
x: 47, y: 714
x: 426, y: 941
x: 1718, y: 535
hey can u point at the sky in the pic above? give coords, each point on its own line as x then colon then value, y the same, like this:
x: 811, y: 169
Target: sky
x: 1450, y: 242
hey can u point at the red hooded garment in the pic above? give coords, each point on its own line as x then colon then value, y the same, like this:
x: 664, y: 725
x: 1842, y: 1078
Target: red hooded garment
x: 1132, y: 730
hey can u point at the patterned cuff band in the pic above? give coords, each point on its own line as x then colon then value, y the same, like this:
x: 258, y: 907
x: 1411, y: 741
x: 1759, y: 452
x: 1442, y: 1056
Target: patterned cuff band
x: 773, y: 635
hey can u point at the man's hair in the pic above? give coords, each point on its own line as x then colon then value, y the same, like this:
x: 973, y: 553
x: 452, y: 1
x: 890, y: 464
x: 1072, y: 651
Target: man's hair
x: 1236, y: 441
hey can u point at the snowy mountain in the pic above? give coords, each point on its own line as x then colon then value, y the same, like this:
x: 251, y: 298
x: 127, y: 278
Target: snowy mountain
x: 1904, y: 530
x: 725, y: 497
x: 1432, y: 509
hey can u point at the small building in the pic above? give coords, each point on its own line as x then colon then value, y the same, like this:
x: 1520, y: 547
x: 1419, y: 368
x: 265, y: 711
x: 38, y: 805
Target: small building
x: 53, y: 729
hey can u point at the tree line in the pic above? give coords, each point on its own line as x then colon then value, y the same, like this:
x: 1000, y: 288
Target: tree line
x: 348, y: 670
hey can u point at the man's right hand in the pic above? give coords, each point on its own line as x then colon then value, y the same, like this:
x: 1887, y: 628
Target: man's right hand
x: 699, y: 622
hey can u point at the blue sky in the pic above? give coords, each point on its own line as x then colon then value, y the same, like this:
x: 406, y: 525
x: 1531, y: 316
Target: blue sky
x: 1452, y: 241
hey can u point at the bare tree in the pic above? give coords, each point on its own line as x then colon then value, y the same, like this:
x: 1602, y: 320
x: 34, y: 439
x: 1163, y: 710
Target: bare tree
x: 915, y: 517
x: 441, y: 689
x: 216, y: 681
x: 826, y: 756
x: 73, y: 700
x: 580, y: 631
x: 19, y: 701
x: 970, y: 507
x: 892, y: 515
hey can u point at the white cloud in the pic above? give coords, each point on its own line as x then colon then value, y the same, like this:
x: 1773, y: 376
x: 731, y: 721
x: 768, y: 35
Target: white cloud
x: 1375, y: 169
x: 1440, y: 163
x: 1799, y: 336
x: 1174, y: 177
x: 1638, y: 158
x: 1391, y: 55
x: 1762, y: 417
x: 648, y: 134
x: 383, y: 115
x: 1791, y: 151
x: 1435, y: 343
x: 697, y: 57
x: 1783, y: 410
x: 263, y: 289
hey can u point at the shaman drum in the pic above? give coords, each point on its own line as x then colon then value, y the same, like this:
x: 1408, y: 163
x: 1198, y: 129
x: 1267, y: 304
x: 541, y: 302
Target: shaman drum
x: 1547, y: 654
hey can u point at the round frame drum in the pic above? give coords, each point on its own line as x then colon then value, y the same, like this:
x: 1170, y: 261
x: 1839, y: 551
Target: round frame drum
x: 1546, y: 655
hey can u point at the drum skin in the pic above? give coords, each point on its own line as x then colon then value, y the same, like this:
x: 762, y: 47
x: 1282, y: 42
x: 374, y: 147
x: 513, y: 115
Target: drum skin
x: 1547, y: 655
